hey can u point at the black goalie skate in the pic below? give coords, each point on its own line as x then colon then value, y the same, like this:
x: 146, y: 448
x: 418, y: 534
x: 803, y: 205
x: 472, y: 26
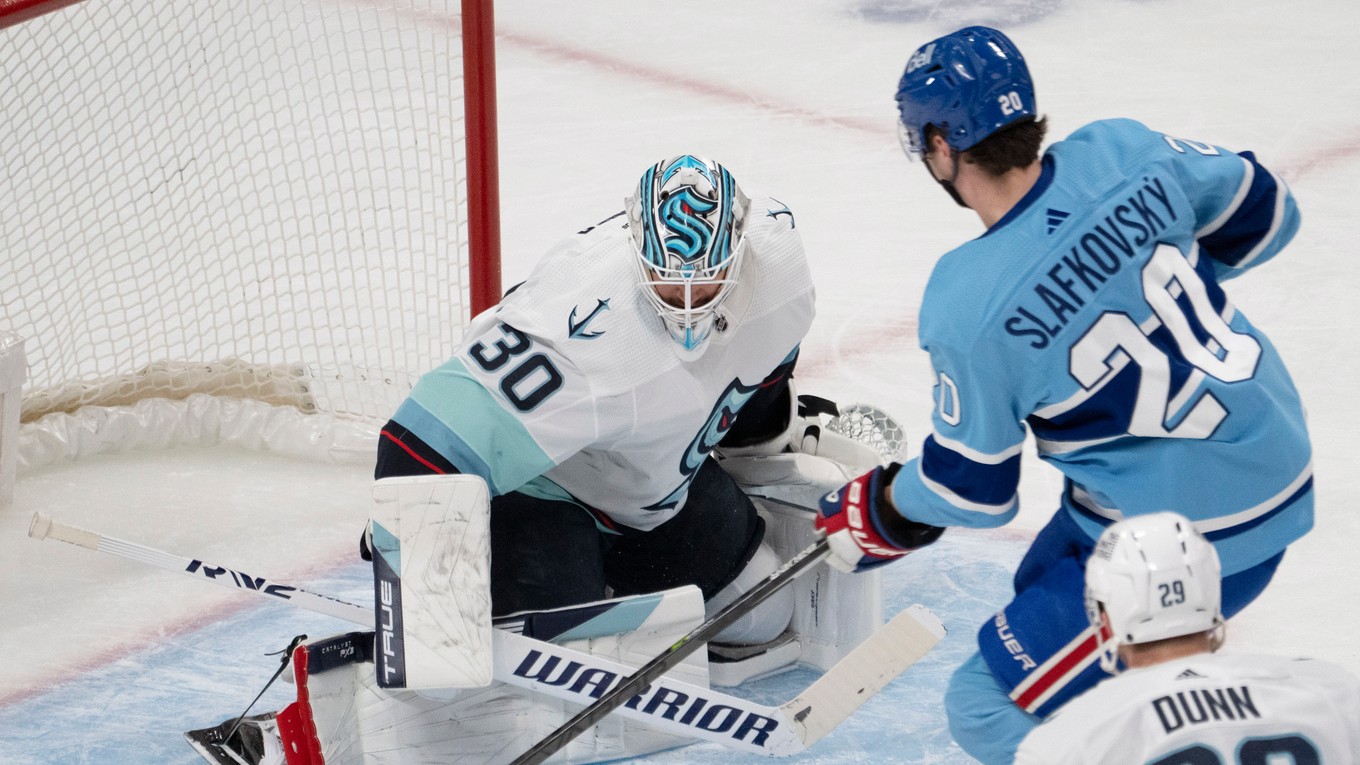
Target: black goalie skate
x: 254, y: 742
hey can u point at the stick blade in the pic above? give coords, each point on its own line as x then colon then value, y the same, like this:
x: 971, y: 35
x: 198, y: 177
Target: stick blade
x: 861, y: 674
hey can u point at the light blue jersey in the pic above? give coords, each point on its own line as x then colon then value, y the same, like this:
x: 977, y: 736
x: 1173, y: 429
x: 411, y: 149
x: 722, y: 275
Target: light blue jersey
x: 1092, y: 314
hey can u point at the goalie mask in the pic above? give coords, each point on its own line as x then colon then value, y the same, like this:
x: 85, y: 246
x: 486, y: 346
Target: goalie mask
x: 687, y: 219
x: 1154, y: 577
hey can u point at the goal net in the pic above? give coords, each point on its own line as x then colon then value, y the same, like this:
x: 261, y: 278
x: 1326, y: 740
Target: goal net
x: 258, y: 200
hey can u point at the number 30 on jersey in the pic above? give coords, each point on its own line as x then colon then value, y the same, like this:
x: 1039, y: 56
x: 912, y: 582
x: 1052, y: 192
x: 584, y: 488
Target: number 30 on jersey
x: 529, y: 377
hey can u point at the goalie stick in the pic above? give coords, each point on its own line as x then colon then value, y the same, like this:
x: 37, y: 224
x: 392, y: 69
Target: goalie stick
x: 663, y: 703
x: 638, y: 682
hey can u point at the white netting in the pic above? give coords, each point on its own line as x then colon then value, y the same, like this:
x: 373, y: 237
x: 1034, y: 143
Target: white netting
x: 267, y: 195
x: 872, y: 427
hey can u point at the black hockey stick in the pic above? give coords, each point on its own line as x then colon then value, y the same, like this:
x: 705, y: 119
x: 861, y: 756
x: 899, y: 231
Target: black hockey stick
x: 668, y: 659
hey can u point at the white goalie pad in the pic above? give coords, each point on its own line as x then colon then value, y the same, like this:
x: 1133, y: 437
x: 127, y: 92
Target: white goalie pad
x: 431, y: 543
x: 833, y: 611
x: 342, y: 717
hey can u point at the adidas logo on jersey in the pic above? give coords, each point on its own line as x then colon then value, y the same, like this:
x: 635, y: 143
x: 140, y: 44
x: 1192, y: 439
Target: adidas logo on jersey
x: 1189, y: 674
x: 1055, y: 218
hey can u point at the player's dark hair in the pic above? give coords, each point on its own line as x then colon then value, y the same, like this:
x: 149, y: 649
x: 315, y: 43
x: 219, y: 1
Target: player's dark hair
x: 1009, y: 148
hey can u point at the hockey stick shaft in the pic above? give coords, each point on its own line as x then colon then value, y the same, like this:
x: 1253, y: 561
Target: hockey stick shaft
x: 43, y: 527
x: 668, y: 659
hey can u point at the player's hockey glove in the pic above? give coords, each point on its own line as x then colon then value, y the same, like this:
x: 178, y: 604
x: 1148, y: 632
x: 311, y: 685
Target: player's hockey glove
x: 863, y: 527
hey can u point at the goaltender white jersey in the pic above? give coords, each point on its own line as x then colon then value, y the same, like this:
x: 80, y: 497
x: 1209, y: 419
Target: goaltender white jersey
x: 1208, y: 708
x: 572, y: 389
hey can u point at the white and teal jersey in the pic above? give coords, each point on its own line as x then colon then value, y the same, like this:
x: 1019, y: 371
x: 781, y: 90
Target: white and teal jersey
x: 1211, y: 709
x: 1092, y: 314
x: 571, y: 388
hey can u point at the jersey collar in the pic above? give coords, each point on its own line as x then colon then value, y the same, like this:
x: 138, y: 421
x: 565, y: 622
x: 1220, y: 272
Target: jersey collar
x: 1035, y: 191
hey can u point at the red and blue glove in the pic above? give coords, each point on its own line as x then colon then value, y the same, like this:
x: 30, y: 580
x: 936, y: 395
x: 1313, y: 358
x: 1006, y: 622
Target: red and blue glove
x: 864, y: 529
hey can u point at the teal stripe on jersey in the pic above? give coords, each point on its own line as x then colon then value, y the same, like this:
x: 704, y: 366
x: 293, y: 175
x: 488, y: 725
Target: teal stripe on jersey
x: 453, y: 413
x: 543, y: 487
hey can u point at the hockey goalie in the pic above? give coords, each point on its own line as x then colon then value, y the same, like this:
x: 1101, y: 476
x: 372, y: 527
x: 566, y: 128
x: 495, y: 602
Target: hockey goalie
x: 622, y: 411
x: 439, y: 680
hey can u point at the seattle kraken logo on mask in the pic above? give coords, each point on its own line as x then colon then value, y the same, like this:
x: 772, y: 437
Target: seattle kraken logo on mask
x: 719, y: 422
x: 683, y: 211
x: 688, y: 234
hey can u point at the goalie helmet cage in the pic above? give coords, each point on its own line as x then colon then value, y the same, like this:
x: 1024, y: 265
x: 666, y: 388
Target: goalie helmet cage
x: 291, y: 201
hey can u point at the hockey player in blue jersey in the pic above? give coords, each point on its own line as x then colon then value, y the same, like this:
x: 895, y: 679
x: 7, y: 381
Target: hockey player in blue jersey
x: 1090, y: 314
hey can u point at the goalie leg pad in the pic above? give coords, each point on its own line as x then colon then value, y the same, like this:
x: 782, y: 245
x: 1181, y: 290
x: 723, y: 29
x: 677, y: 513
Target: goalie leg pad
x: 432, y: 584
x: 342, y: 717
x: 833, y: 611
x: 766, y: 621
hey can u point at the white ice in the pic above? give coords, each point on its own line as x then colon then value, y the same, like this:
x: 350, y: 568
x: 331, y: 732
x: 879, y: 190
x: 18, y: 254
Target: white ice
x: 108, y: 660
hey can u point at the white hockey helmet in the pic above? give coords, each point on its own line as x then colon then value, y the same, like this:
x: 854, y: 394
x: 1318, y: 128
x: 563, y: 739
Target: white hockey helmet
x: 687, y: 218
x: 1155, y: 577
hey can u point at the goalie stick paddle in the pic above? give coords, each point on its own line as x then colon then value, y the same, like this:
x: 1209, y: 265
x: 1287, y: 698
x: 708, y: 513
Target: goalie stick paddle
x: 710, y: 715
x: 639, y: 680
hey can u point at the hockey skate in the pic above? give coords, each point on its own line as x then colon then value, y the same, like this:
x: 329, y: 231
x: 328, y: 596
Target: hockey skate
x: 254, y: 742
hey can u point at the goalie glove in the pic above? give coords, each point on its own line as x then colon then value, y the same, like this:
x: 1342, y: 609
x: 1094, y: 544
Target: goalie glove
x: 810, y: 427
x: 864, y: 529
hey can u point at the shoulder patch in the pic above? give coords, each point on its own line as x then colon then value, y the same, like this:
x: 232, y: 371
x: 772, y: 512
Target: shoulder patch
x: 577, y: 329
x: 774, y: 211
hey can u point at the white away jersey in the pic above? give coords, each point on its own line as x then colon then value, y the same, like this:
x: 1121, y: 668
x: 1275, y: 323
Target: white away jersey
x: 571, y: 388
x: 1208, y: 709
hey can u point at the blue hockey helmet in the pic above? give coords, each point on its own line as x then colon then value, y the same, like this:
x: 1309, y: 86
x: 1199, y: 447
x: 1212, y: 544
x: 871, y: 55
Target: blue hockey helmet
x: 687, y: 219
x: 969, y: 84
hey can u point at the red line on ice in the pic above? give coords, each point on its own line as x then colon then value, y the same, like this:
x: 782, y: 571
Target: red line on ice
x: 159, y: 634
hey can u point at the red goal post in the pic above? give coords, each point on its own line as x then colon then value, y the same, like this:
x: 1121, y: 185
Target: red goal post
x: 288, y: 201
